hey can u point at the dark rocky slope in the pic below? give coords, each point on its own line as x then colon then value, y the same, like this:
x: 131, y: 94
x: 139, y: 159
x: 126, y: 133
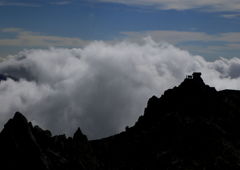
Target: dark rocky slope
x: 190, y: 127
x: 23, y: 146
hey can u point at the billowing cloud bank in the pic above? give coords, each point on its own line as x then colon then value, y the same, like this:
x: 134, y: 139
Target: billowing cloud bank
x: 102, y: 87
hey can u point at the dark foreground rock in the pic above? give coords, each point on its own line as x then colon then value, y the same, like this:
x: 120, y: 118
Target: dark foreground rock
x: 190, y: 127
x: 23, y: 146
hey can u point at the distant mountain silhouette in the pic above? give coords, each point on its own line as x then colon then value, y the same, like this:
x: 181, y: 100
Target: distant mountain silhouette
x: 190, y: 127
x: 4, y: 77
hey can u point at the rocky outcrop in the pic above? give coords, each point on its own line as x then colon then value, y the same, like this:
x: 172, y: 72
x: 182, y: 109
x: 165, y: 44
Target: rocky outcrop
x: 26, y: 147
x: 191, y: 126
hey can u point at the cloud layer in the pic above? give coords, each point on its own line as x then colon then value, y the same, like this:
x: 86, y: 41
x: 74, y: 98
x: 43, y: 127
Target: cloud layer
x: 101, y: 87
x: 31, y: 3
x: 209, y: 45
x: 23, y: 38
x: 204, y: 5
x: 213, y: 5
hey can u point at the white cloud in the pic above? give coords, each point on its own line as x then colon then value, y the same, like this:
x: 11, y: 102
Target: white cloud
x: 185, y: 36
x: 196, y: 42
x: 33, y: 39
x: 231, y: 16
x: 213, y: 5
x: 66, y: 2
x: 21, y: 4
x: 101, y: 87
x: 36, y: 3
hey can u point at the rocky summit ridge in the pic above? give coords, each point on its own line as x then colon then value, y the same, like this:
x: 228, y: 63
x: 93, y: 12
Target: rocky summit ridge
x: 190, y: 127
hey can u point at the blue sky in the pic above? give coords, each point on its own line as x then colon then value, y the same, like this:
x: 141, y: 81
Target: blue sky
x: 209, y: 28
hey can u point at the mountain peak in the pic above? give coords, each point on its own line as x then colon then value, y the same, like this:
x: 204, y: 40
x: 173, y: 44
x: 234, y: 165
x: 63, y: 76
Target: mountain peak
x: 19, y: 117
x: 17, y: 122
x: 192, y: 90
x: 193, y: 81
x: 191, y: 126
x: 78, y: 135
x: 196, y: 76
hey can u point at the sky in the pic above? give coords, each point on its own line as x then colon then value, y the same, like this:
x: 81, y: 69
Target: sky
x: 94, y: 64
x: 209, y: 28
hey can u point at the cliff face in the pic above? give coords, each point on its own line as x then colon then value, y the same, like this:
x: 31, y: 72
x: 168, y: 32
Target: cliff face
x: 191, y: 126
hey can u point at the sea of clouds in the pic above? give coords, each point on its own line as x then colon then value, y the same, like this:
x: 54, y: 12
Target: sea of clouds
x: 101, y: 87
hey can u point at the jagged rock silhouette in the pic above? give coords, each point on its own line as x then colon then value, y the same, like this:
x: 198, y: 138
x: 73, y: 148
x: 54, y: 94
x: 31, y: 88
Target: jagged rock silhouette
x: 26, y: 147
x: 190, y: 127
